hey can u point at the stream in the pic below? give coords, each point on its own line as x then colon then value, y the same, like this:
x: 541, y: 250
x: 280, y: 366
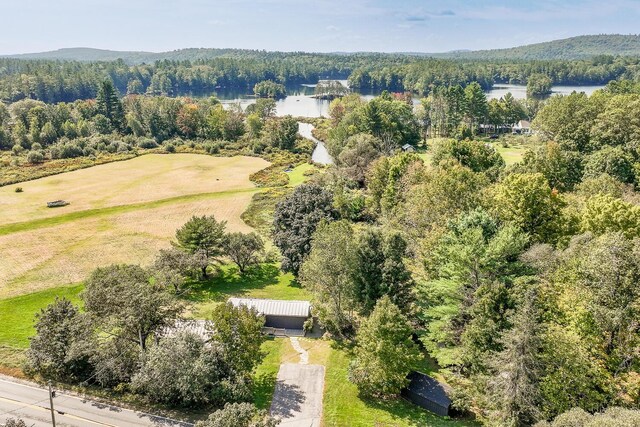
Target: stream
x: 320, y: 154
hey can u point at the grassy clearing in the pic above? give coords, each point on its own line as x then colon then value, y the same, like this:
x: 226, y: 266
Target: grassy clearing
x: 133, y: 182
x: 120, y: 212
x: 17, y: 320
x: 344, y: 406
x: 511, y: 154
x: 278, y: 350
x: 297, y: 175
x: 265, y: 281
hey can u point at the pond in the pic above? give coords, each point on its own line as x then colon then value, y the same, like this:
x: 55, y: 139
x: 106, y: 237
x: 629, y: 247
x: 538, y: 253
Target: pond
x: 300, y: 103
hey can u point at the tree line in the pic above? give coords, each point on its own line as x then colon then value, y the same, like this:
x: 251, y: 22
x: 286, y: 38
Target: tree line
x: 68, y: 81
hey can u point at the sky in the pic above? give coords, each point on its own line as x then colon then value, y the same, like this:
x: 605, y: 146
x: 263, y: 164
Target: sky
x: 306, y: 25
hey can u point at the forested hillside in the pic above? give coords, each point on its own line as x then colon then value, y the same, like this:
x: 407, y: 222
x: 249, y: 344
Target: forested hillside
x: 581, y: 47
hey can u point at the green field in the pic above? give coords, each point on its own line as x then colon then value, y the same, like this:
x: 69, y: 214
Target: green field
x: 118, y: 213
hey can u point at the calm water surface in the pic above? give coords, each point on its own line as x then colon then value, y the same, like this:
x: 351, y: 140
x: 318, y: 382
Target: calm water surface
x: 320, y: 154
x: 299, y: 102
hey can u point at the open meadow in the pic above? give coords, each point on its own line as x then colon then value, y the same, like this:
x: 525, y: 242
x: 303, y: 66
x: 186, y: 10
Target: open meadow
x: 122, y: 212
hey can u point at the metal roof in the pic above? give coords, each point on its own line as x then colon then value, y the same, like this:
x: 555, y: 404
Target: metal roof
x: 202, y: 328
x: 272, y: 307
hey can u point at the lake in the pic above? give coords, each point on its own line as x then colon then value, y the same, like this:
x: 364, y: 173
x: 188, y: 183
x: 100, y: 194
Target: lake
x: 300, y: 103
x: 520, y: 91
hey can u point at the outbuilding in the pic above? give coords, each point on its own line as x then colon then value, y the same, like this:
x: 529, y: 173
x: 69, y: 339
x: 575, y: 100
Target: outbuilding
x: 408, y: 148
x: 278, y: 313
x: 522, y: 127
x: 428, y: 393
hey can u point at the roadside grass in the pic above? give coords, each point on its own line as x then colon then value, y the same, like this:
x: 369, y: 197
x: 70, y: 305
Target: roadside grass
x: 17, y: 313
x: 263, y: 281
x: 343, y: 405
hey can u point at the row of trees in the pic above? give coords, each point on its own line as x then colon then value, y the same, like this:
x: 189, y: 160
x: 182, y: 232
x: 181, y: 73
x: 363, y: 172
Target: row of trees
x: 109, y: 124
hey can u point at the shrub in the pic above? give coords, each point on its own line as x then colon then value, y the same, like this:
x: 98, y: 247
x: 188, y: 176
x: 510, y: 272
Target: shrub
x: 308, y: 325
x: 35, y: 157
x: 147, y: 143
x: 18, y: 190
x: 70, y: 151
x: 273, y: 176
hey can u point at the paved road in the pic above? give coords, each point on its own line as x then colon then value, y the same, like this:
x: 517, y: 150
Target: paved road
x: 31, y: 404
x: 297, y: 400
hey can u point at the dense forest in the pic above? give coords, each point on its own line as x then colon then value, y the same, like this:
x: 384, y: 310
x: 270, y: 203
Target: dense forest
x: 580, y: 47
x: 56, y: 81
x: 520, y: 281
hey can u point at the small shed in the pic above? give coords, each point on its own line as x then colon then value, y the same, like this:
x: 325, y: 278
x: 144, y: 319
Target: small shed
x: 428, y: 393
x: 408, y: 148
x: 278, y: 313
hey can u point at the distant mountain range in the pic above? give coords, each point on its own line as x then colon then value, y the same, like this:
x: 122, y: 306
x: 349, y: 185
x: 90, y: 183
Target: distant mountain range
x: 580, y: 47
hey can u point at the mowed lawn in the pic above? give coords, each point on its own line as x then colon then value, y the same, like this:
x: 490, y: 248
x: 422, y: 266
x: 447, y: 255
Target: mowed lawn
x: 264, y: 281
x: 122, y: 212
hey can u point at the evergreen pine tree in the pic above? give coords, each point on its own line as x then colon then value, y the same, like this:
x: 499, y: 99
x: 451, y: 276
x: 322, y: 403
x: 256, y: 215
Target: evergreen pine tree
x: 108, y: 104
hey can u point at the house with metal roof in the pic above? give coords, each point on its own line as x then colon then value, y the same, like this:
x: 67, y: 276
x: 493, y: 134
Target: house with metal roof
x: 202, y: 328
x: 428, y: 393
x: 278, y: 313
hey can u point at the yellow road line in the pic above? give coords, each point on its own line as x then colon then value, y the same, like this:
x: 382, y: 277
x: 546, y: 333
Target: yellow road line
x: 64, y: 414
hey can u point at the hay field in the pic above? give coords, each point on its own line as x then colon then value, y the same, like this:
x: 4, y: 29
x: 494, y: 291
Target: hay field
x: 139, y: 180
x: 141, y: 211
